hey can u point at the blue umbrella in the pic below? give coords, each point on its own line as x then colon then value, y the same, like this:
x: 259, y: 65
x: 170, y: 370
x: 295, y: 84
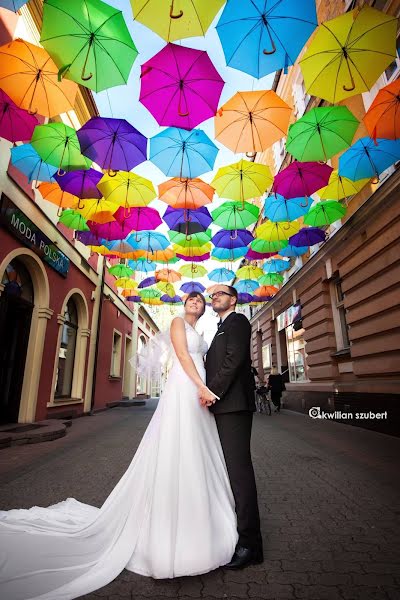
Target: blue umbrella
x: 263, y: 36
x: 13, y: 5
x: 142, y: 265
x: 180, y: 153
x: 232, y: 239
x: 150, y: 241
x: 368, y: 159
x: 276, y: 265
x: 277, y: 208
x: 228, y: 254
x: 221, y: 275
x: 293, y: 251
x: 147, y: 282
x: 192, y: 286
x: 27, y: 160
x: 246, y: 286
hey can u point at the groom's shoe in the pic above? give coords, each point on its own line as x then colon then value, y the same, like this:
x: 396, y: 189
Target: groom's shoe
x: 244, y: 557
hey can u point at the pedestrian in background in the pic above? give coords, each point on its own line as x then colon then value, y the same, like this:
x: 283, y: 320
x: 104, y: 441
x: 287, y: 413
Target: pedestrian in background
x: 276, y: 386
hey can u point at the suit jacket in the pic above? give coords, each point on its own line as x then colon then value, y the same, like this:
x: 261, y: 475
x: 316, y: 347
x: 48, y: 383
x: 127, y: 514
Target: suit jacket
x: 228, y: 366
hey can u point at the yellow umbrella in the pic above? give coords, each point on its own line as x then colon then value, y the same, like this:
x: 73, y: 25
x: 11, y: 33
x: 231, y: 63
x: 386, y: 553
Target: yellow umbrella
x: 274, y: 232
x: 242, y: 180
x: 127, y: 189
x: 340, y: 187
x: 166, y: 288
x: 90, y: 207
x: 192, y: 250
x: 126, y: 283
x: 348, y: 54
x: 249, y: 272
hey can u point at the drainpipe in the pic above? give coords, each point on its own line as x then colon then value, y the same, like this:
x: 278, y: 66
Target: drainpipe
x: 96, y: 327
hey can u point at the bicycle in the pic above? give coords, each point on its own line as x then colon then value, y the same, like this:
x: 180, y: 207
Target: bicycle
x: 263, y: 403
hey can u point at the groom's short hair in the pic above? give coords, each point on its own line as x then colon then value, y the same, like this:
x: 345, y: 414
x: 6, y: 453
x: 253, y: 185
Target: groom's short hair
x: 233, y: 291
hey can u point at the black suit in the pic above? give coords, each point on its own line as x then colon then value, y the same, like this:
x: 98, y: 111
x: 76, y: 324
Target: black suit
x: 229, y: 376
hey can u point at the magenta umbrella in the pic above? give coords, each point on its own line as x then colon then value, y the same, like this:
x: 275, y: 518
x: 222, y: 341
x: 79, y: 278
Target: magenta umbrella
x: 301, y: 179
x: 109, y: 231
x: 16, y: 124
x: 200, y: 258
x: 253, y: 255
x: 138, y: 218
x: 180, y: 86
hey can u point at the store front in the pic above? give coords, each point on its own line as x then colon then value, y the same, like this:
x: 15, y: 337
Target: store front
x: 292, y: 345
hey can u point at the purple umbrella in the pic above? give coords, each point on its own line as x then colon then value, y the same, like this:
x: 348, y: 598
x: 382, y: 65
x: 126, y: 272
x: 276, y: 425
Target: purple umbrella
x: 253, y: 255
x: 148, y: 282
x: 307, y: 236
x: 113, y: 144
x: 232, y: 239
x: 192, y: 286
x: 180, y: 86
x: 262, y: 298
x: 88, y: 238
x: 16, y: 124
x: 244, y: 298
x: 171, y: 299
x: 176, y: 216
x: 138, y: 218
x: 133, y: 299
x: 82, y: 184
x: 109, y: 231
x: 301, y: 179
x: 200, y: 258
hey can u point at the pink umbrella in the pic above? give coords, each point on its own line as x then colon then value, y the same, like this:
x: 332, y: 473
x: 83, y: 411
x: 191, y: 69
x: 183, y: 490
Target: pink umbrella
x: 16, y: 124
x: 138, y: 218
x: 109, y: 231
x: 301, y: 179
x: 200, y: 258
x: 253, y: 255
x: 180, y: 86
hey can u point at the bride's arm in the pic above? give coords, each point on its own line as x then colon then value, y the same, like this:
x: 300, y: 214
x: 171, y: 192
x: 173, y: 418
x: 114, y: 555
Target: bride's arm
x: 178, y: 339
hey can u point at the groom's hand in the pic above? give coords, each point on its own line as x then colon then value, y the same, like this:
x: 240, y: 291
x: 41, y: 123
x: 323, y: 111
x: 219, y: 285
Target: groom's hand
x: 206, y: 397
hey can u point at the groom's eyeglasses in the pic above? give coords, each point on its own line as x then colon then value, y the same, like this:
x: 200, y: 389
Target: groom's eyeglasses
x: 218, y: 294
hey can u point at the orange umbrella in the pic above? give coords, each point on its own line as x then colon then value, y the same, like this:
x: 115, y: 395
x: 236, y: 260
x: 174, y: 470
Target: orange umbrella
x: 383, y: 116
x: 168, y: 275
x: 30, y: 77
x: 54, y: 194
x: 160, y: 255
x: 252, y: 121
x: 186, y: 193
x: 266, y: 290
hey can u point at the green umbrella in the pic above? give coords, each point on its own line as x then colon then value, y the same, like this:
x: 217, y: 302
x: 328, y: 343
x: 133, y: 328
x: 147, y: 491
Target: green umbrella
x: 271, y: 279
x: 73, y: 220
x: 321, y: 133
x: 324, y: 213
x: 149, y: 293
x: 193, y: 270
x: 120, y: 270
x: 193, y: 239
x: 235, y: 215
x: 265, y: 246
x: 89, y: 42
x: 58, y: 145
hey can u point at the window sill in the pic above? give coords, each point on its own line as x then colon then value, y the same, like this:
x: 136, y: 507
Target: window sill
x: 114, y: 378
x: 64, y: 402
x: 340, y: 353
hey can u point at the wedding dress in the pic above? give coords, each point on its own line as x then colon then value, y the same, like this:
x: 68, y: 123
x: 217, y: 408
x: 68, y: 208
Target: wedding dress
x: 171, y: 514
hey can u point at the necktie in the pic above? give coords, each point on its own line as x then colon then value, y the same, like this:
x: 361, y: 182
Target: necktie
x: 219, y: 323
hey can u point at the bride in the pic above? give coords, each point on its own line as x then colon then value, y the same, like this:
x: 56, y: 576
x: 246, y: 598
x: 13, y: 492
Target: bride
x: 171, y: 514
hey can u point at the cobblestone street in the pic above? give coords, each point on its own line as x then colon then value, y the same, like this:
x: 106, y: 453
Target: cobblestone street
x: 329, y: 500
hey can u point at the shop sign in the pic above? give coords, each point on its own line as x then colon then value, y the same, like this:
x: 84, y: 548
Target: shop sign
x: 29, y: 234
x: 289, y: 316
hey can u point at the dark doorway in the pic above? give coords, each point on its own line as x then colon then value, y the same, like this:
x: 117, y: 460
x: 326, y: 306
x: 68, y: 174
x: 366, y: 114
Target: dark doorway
x: 16, y: 306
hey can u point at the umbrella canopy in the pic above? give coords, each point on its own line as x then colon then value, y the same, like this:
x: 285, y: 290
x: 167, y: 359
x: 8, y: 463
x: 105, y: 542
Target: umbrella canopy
x: 197, y: 259
x: 221, y: 275
x: 301, y: 179
x: 126, y: 283
x: 308, y: 236
x: 321, y: 133
x: 273, y: 232
x: 177, y: 19
x: 89, y: 239
x: 89, y: 41
x: 325, y: 213
x: 275, y: 265
x: 141, y: 264
x: 162, y: 256
x: 127, y: 189
x: 171, y: 299
x: 369, y: 158
x: 192, y: 286
x: 252, y: 121
x: 347, y: 54
x: 27, y: 160
x: 58, y: 145
x: 277, y: 208
x: 341, y: 187
x: 232, y: 239
x: 195, y: 239
x: 133, y: 298
x: 253, y: 255
x: 249, y: 272
x: 266, y: 246
x: 187, y: 194
x: 114, y: 144
x: 138, y: 219
x: 13, y: 5
x: 263, y: 36
x: 120, y: 270
x: 81, y: 183
x: 30, y: 78
x: 228, y: 254
x: 147, y: 282
x: 271, y: 279
x: 180, y: 86
x: 98, y: 209
x: 242, y: 180
x: 109, y: 231
x: 266, y: 290
x: 73, y: 220
x: 293, y: 251
x: 16, y: 124
x: 54, y: 194
x: 246, y: 286
x: 149, y: 241
x: 149, y: 294
x: 233, y: 215
x: 382, y: 119
x: 244, y: 298
x: 193, y: 270
x: 180, y: 153
x: 175, y: 216
x: 168, y: 275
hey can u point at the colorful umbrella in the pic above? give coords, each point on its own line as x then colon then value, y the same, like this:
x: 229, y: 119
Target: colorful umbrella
x: 162, y: 256
x: 253, y: 255
x: 168, y: 275
x: 142, y: 265
x: 246, y: 286
x: 82, y: 184
x: 180, y: 153
x: 180, y: 86
x: 73, y: 220
x: 293, y: 251
x: 273, y: 232
x: 193, y: 270
x: 109, y: 231
x: 348, y: 53
x: 16, y: 124
x: 369, y: 158
x: 242, y: 180
x: 233, y: 215
x: 89, y: 41
x: 195, y: 239
x: 252, y: 121
x: 138, y: 219
x: 383, y: 116
x: 321, y: 133
x: 113, y: 144
x: 265, y: 246
x: 187, y: 194
x: 192, y: 258
x: 221, y: 275
x: 276, y: 265
x: 263, y: 36
x: 147, y: 282
x: 133, y: 298
x: 228, y: 254
x: 13, y: 5
x: 58, y: 145
x: 249, y: 272
x: 171, y: 299
x: 192, y: 286
x: 149, y: 294
x: 271, y: 279
x: 277, y: 208
x: 120, y: 270
x: 232, y: 239
x: 27, y: 160
x: 92, y: 208
x: 54, y: 194
x: 89, y: 239
x: 308, y: 236
x: 30, y: 78
x: 177, y: 19
x: 301, y: 179
x: 149, y: 241
x: 266, y: 290
x: 175, y: 216
x: 126, y: 283
x: 340, y: 187
x: 244, y: 298
x: 325, y: 213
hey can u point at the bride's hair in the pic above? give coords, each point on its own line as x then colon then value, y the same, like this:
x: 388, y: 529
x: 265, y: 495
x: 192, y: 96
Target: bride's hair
x: 197, y: 295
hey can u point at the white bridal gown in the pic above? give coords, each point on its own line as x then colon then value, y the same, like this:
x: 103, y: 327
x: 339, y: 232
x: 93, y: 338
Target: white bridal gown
x: 171, y: 514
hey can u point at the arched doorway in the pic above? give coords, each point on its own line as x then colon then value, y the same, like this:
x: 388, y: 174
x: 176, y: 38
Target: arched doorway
x: 16, y: 307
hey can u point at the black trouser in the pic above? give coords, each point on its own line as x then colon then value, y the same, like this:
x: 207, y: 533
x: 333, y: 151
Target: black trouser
x: 276, y: 399
x: 235, y: 432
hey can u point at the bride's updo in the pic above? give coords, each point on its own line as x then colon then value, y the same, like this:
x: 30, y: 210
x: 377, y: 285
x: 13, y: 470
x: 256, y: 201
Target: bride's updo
x: 197, y: 295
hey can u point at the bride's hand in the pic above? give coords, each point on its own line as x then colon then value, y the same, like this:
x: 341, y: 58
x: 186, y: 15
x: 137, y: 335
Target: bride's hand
x: 206, y: 397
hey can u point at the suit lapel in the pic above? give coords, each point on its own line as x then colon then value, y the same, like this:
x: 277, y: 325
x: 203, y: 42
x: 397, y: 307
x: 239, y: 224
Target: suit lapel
x: 224, y: 326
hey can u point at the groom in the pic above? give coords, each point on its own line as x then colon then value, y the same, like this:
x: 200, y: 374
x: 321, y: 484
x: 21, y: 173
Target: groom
x: 229, y: 378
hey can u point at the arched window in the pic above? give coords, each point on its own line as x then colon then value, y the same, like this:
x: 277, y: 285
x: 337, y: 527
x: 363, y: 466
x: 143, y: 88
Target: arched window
x: 66, y: 356
x: 17, y: 281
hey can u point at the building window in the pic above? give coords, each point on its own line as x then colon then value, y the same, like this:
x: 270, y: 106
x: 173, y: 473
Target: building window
x: 300, y: 96
x: 115, y: 370
x: 339, y: 316
x: 66, y: 354
x: 266, y: 357
x: 296, y: 354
